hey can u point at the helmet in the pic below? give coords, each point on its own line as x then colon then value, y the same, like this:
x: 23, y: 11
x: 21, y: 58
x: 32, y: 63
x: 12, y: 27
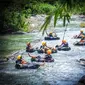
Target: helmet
x: 81, y: 30
x: 50, y: 33
x: 49, y: 52
x: 63, y: 41
x: 19, y: 57
x: 43, y: 43
x: 28, y: 43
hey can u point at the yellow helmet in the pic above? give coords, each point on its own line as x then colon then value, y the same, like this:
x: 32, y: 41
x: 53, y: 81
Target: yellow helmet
x: 49, y: 52
x: 63, y: 41
x: 43, y: 43
x: 81, y: 30
x: 19, y: 57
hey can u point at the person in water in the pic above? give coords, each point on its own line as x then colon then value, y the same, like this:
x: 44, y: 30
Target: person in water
x: 34, y: 58
x: 81, y: 33
x: 29, y: 47
x: 22, y: 62
x: 50, y: 34
x: 48, y: 57
x: 64, y: 44
x: 44, y: 47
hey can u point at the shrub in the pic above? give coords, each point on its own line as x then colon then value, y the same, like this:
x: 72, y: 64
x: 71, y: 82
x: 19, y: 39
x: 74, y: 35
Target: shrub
x: 15, y: 20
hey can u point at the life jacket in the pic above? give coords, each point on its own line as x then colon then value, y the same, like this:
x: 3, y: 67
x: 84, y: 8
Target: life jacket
x: 48, y: 57
x: 50, y: 35
x: 18, y: 61
x: 28, y: 48
x: 64, y: 44
x: 82, y: 39
x: 33, y: 59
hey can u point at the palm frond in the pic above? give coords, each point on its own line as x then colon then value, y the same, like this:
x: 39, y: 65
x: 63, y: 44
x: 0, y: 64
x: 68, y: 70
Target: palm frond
x: 64, y: 20
x: 46, y: 23
x: 56, y: 14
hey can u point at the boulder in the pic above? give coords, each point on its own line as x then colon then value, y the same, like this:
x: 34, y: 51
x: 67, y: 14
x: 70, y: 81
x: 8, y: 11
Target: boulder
x: 82, y: 61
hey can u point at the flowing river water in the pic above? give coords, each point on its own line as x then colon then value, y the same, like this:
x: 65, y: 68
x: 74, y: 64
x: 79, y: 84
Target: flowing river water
x: 65, y: 70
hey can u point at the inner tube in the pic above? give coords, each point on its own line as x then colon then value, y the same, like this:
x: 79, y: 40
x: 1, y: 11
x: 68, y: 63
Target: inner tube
x: 54, y: 51
x: 64, y: 48
x: 31, y: 50
x: 51, y: 38
x: 42, y: 60
x: 27, y: 66
x: 40, y: 51
x: 79, y: 44
x: 51, y: 60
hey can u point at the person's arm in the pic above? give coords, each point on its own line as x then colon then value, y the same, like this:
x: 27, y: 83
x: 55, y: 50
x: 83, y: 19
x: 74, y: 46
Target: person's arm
x: 48, y: 47
x: 31, y: 56
x: 79, y: 34
x: 61, y: 45
x: 40, y: 47
x: 23, y: 62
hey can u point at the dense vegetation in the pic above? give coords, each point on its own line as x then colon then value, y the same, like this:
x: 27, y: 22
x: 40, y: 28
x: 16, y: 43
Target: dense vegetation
x: 14, y: 14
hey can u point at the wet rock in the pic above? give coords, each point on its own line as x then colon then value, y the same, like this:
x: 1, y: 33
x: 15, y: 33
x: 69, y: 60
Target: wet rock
x: 82, y: 61
x: 81, y: 81
x: 82, y: 16
x: 36, y: 21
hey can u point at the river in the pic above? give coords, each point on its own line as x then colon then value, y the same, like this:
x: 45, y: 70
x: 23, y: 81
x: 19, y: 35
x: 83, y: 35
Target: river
x: 65, y: 70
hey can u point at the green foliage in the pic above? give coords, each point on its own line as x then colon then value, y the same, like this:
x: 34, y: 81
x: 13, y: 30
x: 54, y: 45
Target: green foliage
x: 45, y: 8
x: 46, y: 23
x: 14, y: 14
x: 40, y: 8
x: 15, y: 20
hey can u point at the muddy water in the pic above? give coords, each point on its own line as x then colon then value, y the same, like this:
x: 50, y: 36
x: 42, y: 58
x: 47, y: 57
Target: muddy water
x: 65, y: 70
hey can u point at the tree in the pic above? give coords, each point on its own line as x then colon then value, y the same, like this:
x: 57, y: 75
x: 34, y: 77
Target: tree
x: 64, y: 10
